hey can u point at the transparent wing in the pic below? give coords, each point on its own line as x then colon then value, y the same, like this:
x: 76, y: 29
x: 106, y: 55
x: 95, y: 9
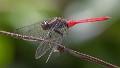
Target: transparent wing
x: 57, y: 37
x: 42, y: 49
x: 37, y: 31
x: 32, y: 30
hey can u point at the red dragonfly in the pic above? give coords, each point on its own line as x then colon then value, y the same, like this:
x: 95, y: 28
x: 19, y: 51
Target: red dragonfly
x: 53, y: 29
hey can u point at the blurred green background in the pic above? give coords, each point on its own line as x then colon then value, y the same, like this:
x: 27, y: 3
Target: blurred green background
x: 101, y: 40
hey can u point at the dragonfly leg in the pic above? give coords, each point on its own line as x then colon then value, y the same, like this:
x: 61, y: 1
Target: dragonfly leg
x: 49, y: 55
x: 49, y: 34
x: 59, y: 32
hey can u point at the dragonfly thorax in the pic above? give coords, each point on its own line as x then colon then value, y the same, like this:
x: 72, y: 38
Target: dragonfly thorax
x: 56, y: 23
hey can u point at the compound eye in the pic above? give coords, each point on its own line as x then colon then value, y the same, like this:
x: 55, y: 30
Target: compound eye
x: 45, y: 25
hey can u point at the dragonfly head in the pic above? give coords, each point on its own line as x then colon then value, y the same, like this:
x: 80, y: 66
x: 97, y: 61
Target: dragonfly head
x: 45, y: 25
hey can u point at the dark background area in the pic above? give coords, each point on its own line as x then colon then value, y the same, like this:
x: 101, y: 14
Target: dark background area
x: 101, y: 40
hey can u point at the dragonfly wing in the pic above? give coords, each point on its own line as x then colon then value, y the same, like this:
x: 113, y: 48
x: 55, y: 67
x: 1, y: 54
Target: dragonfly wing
x: 32, y: 30
x: 42, y: 49
x: 56, y: 37
x: 37, y: 31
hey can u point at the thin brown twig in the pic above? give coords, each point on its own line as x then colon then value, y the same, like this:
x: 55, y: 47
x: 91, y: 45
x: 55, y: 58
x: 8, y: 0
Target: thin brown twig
x: 63, y: 49
x: 90, y: 58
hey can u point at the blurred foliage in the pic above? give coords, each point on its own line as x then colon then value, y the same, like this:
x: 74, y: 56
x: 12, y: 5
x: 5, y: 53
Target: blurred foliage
x: 16, y: 53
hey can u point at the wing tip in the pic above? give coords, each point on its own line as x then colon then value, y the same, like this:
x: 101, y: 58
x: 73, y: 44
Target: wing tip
x: 36, y: 56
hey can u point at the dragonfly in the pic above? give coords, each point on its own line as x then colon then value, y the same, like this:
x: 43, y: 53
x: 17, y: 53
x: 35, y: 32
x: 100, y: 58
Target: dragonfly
x: 52, y: 29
